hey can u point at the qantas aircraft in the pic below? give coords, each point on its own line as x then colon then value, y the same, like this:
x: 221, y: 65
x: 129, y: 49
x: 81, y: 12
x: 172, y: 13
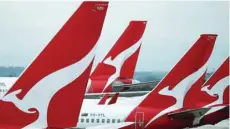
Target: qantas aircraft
x: 213, y: 93
x: 119, y: 64
x: 152, y: 111
x: 117, y: 68
x: 49, y: 93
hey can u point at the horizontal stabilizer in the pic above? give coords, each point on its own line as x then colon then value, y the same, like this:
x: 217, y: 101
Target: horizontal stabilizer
x: 189, y: 113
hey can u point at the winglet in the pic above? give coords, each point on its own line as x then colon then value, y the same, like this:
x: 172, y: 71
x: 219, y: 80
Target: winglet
x: 103, y: 99
x: 114, y: 99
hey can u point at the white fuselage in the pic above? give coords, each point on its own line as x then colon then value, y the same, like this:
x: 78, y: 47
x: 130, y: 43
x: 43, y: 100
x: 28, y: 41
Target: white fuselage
x: 93, y: 114
x: 5, y: 84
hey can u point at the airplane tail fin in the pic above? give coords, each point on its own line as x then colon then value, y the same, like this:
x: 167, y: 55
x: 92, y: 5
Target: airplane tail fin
x: 213, y: 92
x: 189, y: 69
x: 49, y: 93
x: 103, y: 99
x: 114, y: 99
x: 221, y: 76
x: 121, y: 59
x: 173, y: 87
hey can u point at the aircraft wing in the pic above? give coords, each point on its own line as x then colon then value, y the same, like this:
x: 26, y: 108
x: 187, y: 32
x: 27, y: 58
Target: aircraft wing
x: 189, y: 113
x: 121, y: 94
x: 112, y: 126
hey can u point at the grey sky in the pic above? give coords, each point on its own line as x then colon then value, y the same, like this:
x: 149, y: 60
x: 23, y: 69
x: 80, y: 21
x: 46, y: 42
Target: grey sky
x: 172, y: 28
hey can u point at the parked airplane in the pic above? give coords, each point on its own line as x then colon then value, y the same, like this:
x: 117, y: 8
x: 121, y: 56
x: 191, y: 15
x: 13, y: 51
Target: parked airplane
x: 151, y: 111
x: 117, y: 68
x: 61, y: 84
x: 119, y: 64
x: 49, y: 93
x: 213, y: 93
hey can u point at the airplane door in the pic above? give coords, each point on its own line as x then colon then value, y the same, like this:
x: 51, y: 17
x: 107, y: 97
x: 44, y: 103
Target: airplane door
x: 139, y: 120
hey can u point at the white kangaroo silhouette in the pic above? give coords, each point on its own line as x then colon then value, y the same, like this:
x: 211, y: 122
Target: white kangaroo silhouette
x: 119, y: 61
x: 179, y: 92
x: 217, y: 90
x: 46, y: 89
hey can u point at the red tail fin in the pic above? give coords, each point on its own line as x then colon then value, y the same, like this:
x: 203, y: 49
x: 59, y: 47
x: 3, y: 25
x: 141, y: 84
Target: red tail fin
x: 212, y: 91
x: 114, y: 99
x: 173, y: 87
x: 50, y: 91
x: 103, y: 99
x: 219, y: 78
x: 121, y: 60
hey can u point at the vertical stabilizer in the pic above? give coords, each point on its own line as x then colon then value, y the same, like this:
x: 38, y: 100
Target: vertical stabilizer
x: 213, y: 92
x: 121, y: 59
x: 49, y: 93
x: 168, y: 95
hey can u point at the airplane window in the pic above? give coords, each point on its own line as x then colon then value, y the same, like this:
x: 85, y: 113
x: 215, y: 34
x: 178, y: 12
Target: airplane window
x: 113, y: 120
x: 98, y: 120
x: 108, y: 120
x: 103, y: 120
x: 0, y: 90
x: 118, y: 120
x: 87, y: 120
x: 82, y: 120
x: 92, y: 120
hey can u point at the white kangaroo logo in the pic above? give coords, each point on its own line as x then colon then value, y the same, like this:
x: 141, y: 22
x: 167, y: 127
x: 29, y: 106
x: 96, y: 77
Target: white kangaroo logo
x: 119, y: 61
x: 46, y: 89
x: 179, y: 92
x: 217, y: 90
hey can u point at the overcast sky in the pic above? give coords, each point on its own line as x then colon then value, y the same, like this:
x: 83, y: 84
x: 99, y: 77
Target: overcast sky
x: 172, y: 28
